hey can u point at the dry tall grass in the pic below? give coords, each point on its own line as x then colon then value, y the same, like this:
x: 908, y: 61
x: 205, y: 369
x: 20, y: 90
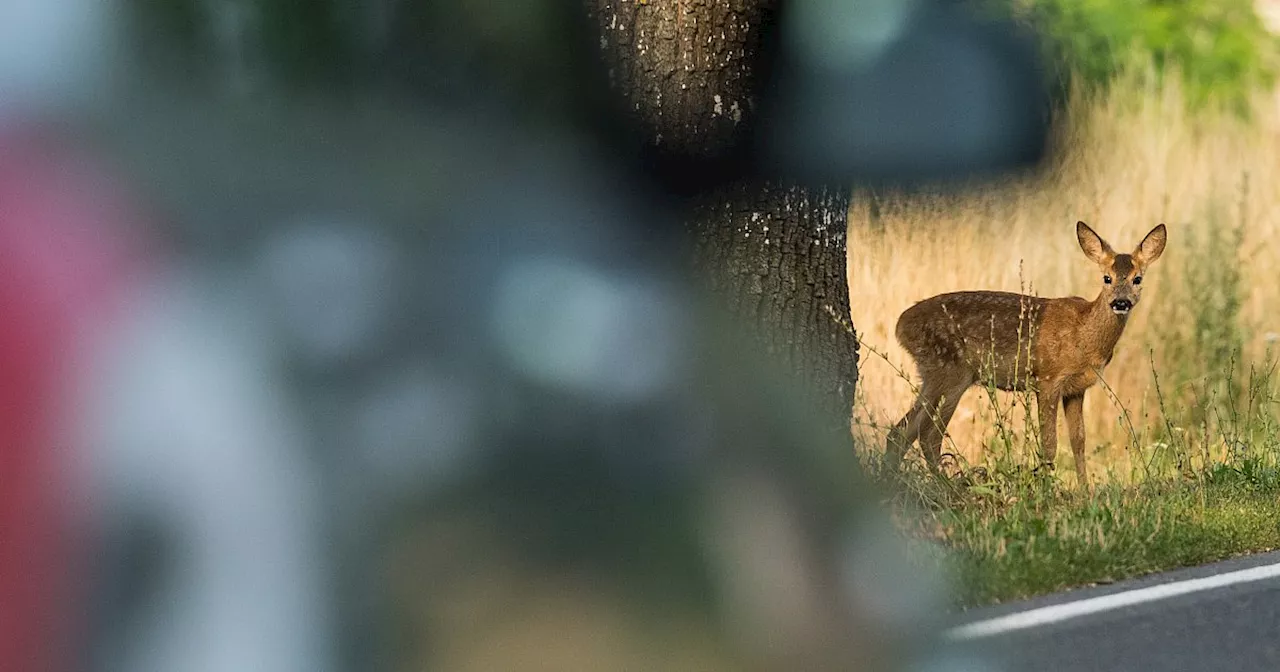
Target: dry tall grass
x: 1129, y: 159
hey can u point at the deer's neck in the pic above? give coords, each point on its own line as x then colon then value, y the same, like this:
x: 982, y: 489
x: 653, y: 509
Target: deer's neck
x: 1102, y: 327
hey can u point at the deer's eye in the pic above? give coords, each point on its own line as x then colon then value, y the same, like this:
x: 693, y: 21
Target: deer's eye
x: 1137, y: 280
x: 1106, y: 279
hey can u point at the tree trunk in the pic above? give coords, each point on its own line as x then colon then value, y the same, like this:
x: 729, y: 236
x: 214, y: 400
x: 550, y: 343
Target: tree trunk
x: 778, y: 255
x: 776, y: 251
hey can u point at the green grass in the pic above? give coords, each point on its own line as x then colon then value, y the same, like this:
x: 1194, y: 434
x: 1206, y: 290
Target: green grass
x: 1007, y: 531
x: 1118, y: 533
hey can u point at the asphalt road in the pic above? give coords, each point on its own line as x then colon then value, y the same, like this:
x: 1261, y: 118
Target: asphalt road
x: 1223, y: 617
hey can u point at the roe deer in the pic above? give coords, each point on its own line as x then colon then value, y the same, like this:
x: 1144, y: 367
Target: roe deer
x: 1054, y: 347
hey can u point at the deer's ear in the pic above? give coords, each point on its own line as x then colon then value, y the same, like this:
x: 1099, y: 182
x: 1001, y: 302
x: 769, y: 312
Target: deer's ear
x: 1093, y: 245
x: 1152, y: 246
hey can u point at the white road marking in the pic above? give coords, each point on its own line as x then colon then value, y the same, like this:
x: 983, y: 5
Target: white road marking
x: 1094, y: 605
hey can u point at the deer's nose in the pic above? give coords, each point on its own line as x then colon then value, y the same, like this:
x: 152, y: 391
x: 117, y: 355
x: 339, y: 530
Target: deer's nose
x: 1121, y: 305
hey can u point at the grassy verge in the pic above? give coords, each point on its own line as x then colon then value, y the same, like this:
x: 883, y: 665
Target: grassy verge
x: 1120, y: 533
x: 1010, y: 533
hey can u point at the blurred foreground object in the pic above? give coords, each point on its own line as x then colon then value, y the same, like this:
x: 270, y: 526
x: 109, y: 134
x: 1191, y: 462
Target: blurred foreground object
x: 145, y: 421
x: 541, y: 444
x: 900, y: 93
x: 144, y: 442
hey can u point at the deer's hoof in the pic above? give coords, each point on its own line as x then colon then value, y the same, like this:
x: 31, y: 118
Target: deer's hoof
x: 1044, y: 468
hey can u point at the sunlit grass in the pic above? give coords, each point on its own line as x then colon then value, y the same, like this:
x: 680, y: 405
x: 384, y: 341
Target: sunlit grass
x: 1129, y: 160
x: 1183, y: 439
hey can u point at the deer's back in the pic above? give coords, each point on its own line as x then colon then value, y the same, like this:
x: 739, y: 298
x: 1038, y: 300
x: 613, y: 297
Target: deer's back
x: 985, y: 333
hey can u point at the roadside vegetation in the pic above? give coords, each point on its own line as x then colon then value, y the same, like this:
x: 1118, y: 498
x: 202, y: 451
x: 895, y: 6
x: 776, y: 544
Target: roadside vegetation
x: 1184, y: 435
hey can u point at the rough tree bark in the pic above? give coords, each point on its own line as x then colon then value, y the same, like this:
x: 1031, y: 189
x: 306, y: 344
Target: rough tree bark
x: 776, y: 251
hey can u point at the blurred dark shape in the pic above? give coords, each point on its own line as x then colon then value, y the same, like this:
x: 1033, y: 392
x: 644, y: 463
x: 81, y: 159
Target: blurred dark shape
x: 900, y: 91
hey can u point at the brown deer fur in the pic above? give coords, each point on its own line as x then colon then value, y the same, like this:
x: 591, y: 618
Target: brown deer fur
x: 1054, y: 347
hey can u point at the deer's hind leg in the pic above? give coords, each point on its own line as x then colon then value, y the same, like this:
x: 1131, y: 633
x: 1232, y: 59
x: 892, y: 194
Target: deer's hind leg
x: 938, y: 416
x: 910, y: 426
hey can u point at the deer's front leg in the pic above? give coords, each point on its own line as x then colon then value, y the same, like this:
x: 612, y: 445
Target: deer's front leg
x: 1049, y: 398
x: 1073, y: 408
